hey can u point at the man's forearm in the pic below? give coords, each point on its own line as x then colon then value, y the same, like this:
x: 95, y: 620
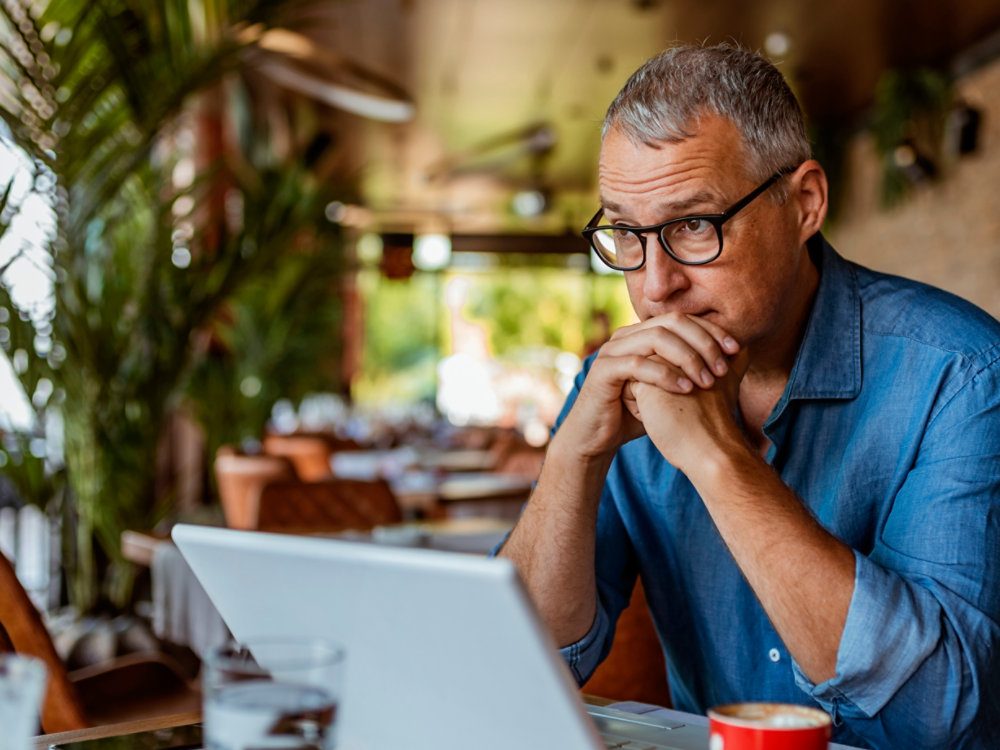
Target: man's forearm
x: 802, y: 575
x: 553, y: 542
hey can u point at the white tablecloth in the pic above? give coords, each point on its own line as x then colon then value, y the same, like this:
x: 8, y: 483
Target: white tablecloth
x: 182, y: 611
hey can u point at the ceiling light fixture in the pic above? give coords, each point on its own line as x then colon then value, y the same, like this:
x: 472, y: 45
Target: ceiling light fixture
x: 336, y: 95
x: 777, y: 44
x: 431, y: 252
x: 527, y: 203
x: 296, y: 62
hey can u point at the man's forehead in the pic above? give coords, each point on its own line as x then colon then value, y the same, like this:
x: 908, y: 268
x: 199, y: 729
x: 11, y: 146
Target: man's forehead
x: 709, y: 133
x: 688, y: 173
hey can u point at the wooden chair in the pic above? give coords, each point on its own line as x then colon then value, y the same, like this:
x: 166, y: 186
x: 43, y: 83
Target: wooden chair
x: 240, y: 479
x: 634, y: 669
x: 331, y: 505
x: 130, y: 687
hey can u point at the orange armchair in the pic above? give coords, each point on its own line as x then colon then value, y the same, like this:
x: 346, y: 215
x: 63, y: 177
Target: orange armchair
x: 129, y: 687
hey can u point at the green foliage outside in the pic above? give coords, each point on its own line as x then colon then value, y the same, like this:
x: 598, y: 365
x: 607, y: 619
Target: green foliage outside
x: 543, y: 307
x: 521, y: 309
x: 403, y: 321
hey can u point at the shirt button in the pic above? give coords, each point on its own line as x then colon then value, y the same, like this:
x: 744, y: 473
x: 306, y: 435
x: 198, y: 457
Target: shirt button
x: 774, y: 655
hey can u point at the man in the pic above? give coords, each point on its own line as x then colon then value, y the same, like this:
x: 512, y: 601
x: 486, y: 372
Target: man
x: 798, y: 456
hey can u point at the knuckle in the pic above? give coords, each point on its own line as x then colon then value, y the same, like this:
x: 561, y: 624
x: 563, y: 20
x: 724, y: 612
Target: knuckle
x: 633, y: 362
x: 691, y: 358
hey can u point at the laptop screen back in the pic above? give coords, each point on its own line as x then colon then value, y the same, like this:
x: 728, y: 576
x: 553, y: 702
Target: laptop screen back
x: 444, y: 650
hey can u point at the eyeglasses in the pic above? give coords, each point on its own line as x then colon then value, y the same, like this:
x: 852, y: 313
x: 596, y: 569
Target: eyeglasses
x: 691, y: 240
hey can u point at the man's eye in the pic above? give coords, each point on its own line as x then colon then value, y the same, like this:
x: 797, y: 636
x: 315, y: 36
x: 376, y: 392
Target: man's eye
x: 693, y: 226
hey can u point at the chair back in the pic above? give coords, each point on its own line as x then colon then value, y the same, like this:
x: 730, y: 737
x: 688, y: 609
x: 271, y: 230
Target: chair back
x: 240, y: 479
x: 331, y: 505
x: 24, y: 632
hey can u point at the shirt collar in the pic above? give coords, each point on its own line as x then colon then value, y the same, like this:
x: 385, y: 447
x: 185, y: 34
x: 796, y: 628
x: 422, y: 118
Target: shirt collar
x: 828, y: 364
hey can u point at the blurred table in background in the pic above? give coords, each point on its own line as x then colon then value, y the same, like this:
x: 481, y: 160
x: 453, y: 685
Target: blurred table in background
x: 390, y: 462
x: 483, y: 494
x: 436, y: 483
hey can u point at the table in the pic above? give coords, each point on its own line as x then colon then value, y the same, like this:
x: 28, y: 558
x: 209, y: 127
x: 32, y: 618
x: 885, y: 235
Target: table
x: 122, y: 730
x: 454, y: 482
x: 140, y: 546
x: 109, y: 731
x: 457, y: 460
x: 117, y: 735
x: 369, y: 464
x: 461, y: 494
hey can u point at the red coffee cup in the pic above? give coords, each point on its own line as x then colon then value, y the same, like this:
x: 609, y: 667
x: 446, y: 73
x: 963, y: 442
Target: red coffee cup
x: 768, y: 726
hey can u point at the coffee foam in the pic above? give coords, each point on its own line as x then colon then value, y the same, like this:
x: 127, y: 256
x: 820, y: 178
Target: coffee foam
x: 791, y: 721
x: 773, y: 715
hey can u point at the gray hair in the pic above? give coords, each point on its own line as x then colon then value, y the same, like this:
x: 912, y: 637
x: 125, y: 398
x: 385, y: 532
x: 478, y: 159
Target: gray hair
x: 664, y: 99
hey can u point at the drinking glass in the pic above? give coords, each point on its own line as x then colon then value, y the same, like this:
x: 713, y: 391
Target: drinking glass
x: 272, y: 693
x: 22, y: 685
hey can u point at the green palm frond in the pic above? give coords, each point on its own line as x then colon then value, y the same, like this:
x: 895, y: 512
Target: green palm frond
x: 100, y: 96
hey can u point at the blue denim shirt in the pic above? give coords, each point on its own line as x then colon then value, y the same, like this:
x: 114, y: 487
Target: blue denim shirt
x: 889, y: 431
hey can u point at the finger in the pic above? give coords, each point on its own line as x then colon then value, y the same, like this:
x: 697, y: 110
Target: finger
x: 715, y: 349
x: 611, y: 374
x: 630, y: 403
x: 722, y: 337
x: 679, y: 341
x: 619, y: 333
x: 659, y: 373
x: 712, y: 341
x: 725, y: 340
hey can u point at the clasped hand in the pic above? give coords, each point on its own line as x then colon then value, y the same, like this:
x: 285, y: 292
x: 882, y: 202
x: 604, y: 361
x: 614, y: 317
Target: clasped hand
x: 674, y: 377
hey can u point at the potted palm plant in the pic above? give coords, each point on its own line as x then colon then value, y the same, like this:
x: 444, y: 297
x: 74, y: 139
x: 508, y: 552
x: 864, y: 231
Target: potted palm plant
x: 110, y: 107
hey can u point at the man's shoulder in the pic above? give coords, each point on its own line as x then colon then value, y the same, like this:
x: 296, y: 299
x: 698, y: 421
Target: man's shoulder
x: 895, y: 306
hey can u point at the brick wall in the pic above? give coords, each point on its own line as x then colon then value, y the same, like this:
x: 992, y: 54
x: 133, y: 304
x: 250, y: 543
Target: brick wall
x: 946, y: 232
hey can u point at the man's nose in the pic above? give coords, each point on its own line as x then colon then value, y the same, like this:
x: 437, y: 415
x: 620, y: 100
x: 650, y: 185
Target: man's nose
x: 663, y: 275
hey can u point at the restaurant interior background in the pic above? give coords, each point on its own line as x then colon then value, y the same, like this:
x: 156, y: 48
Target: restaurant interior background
x: 226, y: 218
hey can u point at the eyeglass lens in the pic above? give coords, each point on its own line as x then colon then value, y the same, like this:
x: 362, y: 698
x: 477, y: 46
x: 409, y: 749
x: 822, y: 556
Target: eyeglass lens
x: 690, y: 240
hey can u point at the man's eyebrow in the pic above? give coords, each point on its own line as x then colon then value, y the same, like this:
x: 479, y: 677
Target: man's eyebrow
x: 673, y: 209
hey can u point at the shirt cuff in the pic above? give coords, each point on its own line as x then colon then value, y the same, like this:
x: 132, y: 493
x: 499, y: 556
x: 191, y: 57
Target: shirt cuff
x: 888, y: 634
x: 583, y: 656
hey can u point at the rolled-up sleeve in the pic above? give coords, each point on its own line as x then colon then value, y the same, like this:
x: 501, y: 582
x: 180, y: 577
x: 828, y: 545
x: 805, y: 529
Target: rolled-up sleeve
x: 919, y: 660
x: 583, y: 656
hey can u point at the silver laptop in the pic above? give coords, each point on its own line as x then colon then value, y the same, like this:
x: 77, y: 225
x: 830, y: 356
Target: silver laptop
x: 445, y: 650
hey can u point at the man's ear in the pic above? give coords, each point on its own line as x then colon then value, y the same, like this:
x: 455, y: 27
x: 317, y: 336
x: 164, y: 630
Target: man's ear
x: 809, y: 190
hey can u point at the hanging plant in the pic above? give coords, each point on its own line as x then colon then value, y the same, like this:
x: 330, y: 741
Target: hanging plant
x: 908, y: 127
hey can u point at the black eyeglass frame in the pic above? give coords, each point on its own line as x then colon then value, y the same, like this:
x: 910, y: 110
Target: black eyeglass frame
x: 716, y: 220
